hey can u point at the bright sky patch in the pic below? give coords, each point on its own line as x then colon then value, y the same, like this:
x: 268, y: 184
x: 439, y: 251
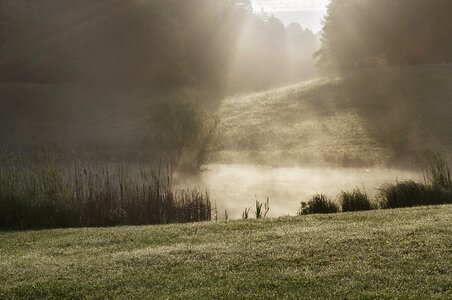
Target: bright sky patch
x: 290, y: 5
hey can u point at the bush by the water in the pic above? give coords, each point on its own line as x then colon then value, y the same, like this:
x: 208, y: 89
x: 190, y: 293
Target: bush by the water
x: 437, y: 188
x: 183, y: 128
x: 357, y: 200
x: 437, y: 171
x: 319, y: 204
x: 43, y: 193
x: 410, y: 193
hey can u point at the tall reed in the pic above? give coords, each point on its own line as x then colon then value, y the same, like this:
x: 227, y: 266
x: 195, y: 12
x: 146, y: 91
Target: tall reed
x: 41, y: 192
x: 262, y: 209
x: 437, y: 171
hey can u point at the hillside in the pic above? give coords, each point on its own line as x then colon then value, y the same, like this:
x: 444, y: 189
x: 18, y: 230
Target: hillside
x: 365, y: 118
x: 380, y: 254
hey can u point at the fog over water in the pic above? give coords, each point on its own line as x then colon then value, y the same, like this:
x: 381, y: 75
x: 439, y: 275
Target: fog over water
x: 234, y: 187
x: 244, y: 82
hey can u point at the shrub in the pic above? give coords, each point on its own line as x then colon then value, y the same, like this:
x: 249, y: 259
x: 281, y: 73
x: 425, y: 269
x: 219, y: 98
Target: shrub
x: 319, y: 204
x: 447, y: 197
x: 437, y: 171
x: 410, y: 193
x: 182, y: 127
x: 357, y: 200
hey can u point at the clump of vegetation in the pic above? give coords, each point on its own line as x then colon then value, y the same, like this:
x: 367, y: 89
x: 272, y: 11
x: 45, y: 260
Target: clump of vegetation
x: 43, y: 193
x: 246, y: 213
x: 182, y: 127
x: 437, y: 171
x: 319, y: 204
x: 409, y: 194
x: 262, y: 209
x: 357, y: 200
x: 437, y: 188
x: 447, y: 197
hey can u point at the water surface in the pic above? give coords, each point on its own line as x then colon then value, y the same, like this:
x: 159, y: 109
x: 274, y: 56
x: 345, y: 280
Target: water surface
x: 234, y: 187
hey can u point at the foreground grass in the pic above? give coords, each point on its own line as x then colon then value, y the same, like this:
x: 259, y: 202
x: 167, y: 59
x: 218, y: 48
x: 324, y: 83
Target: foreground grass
x: 404, y: 253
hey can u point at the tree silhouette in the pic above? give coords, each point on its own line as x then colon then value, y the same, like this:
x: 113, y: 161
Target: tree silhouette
x: 366, y: 33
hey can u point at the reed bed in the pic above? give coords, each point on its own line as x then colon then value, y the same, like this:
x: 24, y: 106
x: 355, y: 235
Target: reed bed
x: 42, y: 192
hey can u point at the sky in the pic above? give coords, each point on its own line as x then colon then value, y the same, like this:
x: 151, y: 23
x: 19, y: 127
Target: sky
x: 309, y: 13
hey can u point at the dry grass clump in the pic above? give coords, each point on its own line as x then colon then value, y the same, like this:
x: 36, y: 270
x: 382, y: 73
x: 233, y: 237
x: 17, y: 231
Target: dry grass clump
x: 318, y: 204
x: 357, y: 200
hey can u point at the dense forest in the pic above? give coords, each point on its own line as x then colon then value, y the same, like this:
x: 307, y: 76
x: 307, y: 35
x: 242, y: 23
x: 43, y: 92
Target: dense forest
x: 219, y: 46
x: 369, y: 33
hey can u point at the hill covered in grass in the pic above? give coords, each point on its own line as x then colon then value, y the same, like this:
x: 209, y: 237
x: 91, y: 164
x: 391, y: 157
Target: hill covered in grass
x: 369, y: 117
x: 402, y: 253
x: 366, y: 118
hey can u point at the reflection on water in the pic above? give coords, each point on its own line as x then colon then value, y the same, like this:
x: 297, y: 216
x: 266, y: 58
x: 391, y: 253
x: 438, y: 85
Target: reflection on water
x: 234, y: 187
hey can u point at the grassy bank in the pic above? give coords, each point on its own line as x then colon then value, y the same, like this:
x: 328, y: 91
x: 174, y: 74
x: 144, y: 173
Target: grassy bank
x: 404, y: 253
x: 366, y: 118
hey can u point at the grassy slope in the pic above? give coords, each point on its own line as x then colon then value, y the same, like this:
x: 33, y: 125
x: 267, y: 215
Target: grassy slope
x: 368, y: 117
x: 394, y: 253
x: 363, y: 118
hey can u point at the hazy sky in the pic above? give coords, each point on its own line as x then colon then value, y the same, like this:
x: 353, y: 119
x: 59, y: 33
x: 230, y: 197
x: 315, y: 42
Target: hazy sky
x: 290, y: 5
x: 309, y: 13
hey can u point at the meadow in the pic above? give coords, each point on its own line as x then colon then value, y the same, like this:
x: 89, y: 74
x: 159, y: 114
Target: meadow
x: 376, y: 117
x: 207, y: 150
x: 398, y: 253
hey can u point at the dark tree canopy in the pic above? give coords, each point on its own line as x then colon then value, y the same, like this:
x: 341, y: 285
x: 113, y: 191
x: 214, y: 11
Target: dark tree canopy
x: 366, y: 33
x: 216, y: 45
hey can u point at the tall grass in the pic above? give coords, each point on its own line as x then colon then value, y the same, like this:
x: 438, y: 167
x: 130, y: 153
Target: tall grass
x: 410, y: 193
x: 437, y: 171
x: 262, y: 209
x: 246, y: 213
x: 41, y: 192
x: 437, y: 188
x: 318, y: 204
x: 357, y: 200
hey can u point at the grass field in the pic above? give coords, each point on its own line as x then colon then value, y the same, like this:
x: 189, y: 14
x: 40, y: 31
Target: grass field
x: 405, y: 254
x: 366, y: 118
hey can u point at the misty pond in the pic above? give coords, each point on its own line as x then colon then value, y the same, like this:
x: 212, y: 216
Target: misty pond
x: 233, y: 187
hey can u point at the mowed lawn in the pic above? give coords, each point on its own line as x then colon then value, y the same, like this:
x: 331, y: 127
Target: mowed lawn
x: 403, y: 254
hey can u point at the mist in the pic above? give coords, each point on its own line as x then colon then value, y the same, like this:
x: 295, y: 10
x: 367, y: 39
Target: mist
x: 237, y: 186
x: 280, y: 98
x: 225, y: 149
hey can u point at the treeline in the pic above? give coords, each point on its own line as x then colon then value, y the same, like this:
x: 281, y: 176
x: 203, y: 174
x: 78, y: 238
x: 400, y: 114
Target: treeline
x: 215, y: 45
x: 368, y: 33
